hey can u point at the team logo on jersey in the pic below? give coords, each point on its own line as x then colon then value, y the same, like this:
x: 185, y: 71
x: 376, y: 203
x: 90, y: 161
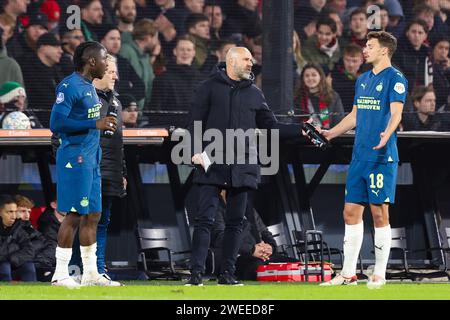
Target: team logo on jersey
x: 379, y: 87
x: 85, y: 202
x: 60, y: 97
x: 399, y: 88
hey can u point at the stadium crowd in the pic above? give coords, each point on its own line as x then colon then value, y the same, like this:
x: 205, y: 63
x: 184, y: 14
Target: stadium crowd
x: 164, y: 48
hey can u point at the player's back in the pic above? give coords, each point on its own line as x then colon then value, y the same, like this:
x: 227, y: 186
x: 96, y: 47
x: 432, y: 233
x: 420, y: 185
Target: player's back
x: 77, y: 99
x: 373, y: 95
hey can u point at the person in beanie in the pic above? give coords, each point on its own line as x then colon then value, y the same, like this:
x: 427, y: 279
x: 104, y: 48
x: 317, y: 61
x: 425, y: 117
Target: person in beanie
x: 13, y: 98
x: 129, y: 110
x: 53, y: 12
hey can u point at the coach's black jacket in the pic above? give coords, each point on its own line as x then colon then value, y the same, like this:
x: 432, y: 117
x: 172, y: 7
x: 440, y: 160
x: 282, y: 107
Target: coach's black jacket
x: 221, y: 103
x: 112, y: 165
x: 15, y: 245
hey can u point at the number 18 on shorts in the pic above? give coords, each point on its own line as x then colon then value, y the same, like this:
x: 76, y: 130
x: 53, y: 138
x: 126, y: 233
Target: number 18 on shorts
x: 371, y: 182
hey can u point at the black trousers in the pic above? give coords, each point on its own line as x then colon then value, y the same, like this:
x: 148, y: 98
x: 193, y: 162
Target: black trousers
x: 204, y: 220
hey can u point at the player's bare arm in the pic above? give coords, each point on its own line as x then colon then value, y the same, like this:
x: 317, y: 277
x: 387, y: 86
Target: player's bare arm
x: 396, y: 116
x: 346, y: 124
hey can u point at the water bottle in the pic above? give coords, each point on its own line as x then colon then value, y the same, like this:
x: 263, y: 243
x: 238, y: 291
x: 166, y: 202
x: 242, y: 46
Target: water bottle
x: 112, y: 112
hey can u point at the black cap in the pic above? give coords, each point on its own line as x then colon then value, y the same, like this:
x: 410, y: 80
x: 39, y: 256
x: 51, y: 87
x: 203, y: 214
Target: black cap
x: 435, y: 38
x: 104, y: 29
x: 127, y: 99
x: 38, y: 19
x: 48, y: 39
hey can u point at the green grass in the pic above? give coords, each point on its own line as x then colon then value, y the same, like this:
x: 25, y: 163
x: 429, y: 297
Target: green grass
x: 171, y: 290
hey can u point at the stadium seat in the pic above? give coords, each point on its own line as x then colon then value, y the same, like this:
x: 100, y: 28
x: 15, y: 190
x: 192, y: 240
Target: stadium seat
x: 34, y: 216
x: 151, y: 242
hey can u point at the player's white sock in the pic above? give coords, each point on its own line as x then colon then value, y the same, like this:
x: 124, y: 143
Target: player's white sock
x: 89, y: 259
x: 382, y: 249
x: 63, y: 256
x: 352, y: 245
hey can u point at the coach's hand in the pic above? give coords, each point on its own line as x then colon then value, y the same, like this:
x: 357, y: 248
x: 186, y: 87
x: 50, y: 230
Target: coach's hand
x: 384, y: 139
x: 197, y: 159
x: 107, y: 123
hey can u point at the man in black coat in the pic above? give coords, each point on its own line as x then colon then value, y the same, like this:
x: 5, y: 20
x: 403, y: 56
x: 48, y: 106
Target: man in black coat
x: 16, y: 249
x: 173, y: 89
x: 227, y: 100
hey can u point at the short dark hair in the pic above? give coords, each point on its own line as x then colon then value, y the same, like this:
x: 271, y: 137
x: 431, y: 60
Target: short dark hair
x: 86, y: 3
x: 420, y: 91
x: 326, y: 21
x: 352, y: 50
x: 183, y: 38
x: 358, y: 11
x: 144, y: 27
x: 420, y: 22
x: 220, y: 44
x: 193, y: 19
x: 5, y: 199
x: 422, y: 7
x: 385, y: 39
x: 84, y: 52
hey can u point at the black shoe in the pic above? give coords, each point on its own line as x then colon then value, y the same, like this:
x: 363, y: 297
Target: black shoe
x: 228, y: 279
x: 195, y: 280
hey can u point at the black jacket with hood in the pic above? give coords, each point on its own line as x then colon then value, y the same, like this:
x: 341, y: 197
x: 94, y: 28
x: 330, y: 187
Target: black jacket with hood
x: 221, y: 103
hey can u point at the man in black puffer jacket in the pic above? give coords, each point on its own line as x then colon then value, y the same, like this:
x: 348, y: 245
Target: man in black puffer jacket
x: 16, y: 248
x: 228, y: 100
x: 173, y: 90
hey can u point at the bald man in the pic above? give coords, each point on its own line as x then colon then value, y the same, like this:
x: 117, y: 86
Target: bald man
x: 228, y: 100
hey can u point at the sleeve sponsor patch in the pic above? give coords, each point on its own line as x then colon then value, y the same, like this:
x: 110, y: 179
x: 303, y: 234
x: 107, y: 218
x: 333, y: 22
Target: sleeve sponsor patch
x: 399, y: 88
x: 60, y: 97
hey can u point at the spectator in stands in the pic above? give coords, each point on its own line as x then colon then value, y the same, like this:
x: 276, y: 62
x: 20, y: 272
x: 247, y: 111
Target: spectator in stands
x: 425, y: 117
x: 299, y: 60
x: 16, y: 249
x: 396, y: 17
x: 344, y: 76
x: 304, y: 14
x: 430, y: 11
x: 216, y: 21
x: 129, y: 81
x: 412, y: 55
x: 52, y: 9
x: 129, y: 110
x: 21, y: 46
x: 14, y: 8
x: 145, y: 39
x: 338, y: 5
x: 315, y: 97
x: 323, y: 47
x: 91, y: 18
x: 44, y: 260
x: 49, y: 222
x: 7, y: 26
x: 358, y: 29
x: 217, y: 56
x: 441, y: 69
x: 327, y: 12
x: 24, y: 206
x: 243, y: 20
x: 10, y: 69
x: 173, y: 90
x: 13, y: 98
x: 257, y: 245
x: 41, y: 76
x: 126, y: 15
x: 70, y: 39
x: 197, y: 26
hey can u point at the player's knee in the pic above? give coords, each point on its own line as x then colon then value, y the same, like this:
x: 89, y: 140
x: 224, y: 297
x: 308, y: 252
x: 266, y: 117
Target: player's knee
x: 350, y: 216
x: 380, y: 219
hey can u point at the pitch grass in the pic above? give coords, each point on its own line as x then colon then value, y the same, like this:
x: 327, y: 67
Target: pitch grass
x: 173, y: 290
